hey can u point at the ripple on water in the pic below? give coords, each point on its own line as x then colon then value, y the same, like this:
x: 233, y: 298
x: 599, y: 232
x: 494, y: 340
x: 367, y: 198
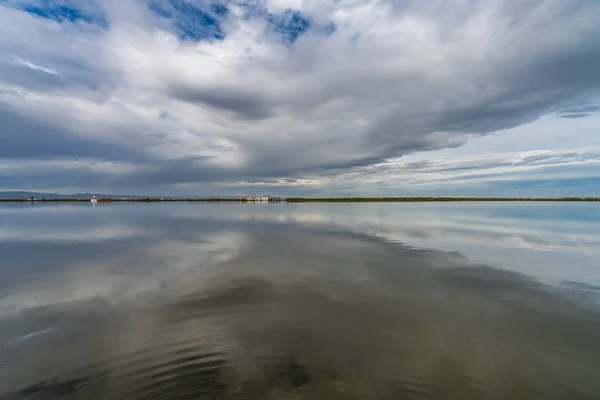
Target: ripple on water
x: 419, y: 325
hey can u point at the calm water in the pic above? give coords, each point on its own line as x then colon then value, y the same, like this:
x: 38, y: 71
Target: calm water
x: 319, y: 301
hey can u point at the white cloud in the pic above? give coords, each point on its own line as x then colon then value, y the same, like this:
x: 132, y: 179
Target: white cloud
x: 394, y: 79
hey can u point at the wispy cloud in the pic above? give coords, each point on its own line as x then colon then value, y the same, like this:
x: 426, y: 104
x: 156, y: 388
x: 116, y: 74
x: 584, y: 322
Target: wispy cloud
x: 33, y: 66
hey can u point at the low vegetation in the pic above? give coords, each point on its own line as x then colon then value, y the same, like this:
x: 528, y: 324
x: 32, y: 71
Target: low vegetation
x: 430, y: 199
x: 304, y: 199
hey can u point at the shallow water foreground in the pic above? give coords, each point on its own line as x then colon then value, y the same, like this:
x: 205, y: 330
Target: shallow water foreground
x: 315, y: 301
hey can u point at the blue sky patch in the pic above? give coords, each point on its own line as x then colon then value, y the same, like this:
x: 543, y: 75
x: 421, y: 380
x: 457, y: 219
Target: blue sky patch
x: 195, y: 22
x: 289, y: 25
x: 190, y: 21
x: 220, y: 10
x: 59, y: 11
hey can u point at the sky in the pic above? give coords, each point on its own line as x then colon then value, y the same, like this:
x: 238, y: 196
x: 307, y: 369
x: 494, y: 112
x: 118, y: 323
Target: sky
x: 301, y: 97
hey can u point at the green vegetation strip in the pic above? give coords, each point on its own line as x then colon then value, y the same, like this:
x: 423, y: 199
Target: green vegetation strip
x: 430, y: 199
x: 307, y: 199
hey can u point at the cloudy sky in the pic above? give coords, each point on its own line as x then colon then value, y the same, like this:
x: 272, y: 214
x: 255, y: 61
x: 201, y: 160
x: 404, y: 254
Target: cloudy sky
x: 301, y: 97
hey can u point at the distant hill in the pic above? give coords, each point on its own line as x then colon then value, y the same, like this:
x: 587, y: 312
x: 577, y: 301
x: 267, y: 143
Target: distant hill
x: 47, y: 195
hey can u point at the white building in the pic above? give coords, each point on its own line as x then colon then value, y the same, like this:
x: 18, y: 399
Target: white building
x: 94, y: 200
x: 265, y: 198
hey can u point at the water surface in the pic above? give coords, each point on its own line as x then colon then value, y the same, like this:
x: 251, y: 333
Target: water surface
x: 316, y: 301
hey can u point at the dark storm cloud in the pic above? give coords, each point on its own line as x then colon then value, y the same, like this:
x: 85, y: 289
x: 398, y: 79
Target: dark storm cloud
x: 23, y: 136
x: 579, y: 112
x: 245, y: 105
x: 531, y: 88
x: 177, y: 172
x: 38, y: 178
x: 199, y: 171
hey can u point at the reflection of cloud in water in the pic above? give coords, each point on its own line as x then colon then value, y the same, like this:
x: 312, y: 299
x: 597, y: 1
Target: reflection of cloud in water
x: 124, y: 277
x: 488, y: 233
x: 299, y: 312
x: 458, y: 228
x: 56, y: 234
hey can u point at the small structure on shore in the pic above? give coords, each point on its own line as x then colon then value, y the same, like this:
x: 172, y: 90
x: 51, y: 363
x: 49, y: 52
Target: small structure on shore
x: 94, y: 200
x: 265, y: 198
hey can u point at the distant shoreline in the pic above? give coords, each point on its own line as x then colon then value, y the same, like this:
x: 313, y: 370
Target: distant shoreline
x: 306, y: 200
x: 432, y: 199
